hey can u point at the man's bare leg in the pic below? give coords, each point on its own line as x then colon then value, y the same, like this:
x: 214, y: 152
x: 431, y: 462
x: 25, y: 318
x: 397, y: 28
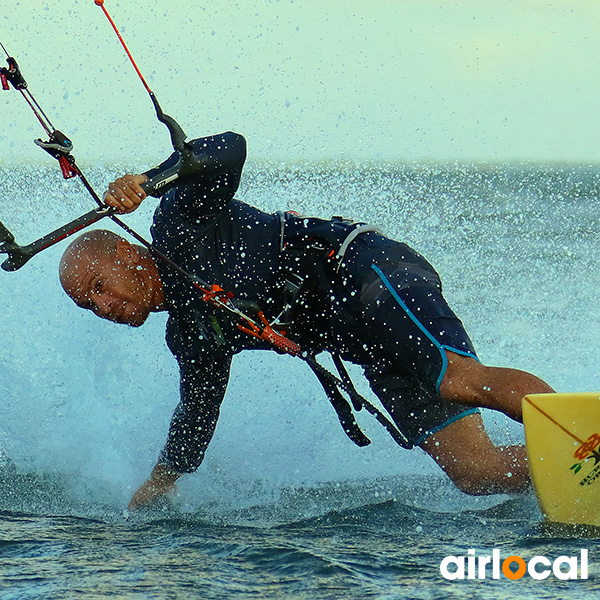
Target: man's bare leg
x: 469, y: 382
x: 468, y: 456
x: 463, y: 449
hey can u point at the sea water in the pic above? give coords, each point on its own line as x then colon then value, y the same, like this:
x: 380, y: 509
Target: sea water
x: 285, y: 506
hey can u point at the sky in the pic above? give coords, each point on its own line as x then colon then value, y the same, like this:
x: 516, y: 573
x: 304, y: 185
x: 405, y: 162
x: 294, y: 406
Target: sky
x: 312, y: 80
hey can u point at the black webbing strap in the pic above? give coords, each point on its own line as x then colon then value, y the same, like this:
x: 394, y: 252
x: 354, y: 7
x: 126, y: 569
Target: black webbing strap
x: 333, y: 386
x: 340, y: 404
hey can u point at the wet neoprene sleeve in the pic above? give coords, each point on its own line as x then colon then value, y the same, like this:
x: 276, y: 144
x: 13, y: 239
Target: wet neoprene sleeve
x: 182, y: 216
x: 219, y: 160
x: 203, y: 385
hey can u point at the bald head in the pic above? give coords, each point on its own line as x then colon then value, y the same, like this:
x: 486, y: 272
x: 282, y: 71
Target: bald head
x: 85, y: 254
x: 118, y: 281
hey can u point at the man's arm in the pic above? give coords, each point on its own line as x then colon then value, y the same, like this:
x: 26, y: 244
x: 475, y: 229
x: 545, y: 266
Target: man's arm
x: 161, y: 481
x: 203, y: 385
x: 220, y: 159
x: 200, y: 196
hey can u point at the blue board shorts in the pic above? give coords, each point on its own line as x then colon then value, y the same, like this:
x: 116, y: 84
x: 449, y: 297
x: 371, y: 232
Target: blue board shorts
x: 411, y: 326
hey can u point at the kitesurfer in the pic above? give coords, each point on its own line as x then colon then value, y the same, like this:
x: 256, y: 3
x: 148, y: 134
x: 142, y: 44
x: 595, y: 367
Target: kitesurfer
x: 333, y: 285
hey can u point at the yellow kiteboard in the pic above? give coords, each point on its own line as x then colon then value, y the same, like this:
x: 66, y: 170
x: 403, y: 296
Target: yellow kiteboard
x: 562, y: 432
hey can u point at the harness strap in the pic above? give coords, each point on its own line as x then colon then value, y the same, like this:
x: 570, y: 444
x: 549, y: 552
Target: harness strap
x: 333, y: 386
x: 339, y: 403
x: 349, y: 239
x: 281, y: 216
x: 317, y: 254
x: 354, y: 396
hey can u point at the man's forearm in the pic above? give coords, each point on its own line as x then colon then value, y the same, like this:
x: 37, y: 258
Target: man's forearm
x: 161, y: 481
x: 203, y: 385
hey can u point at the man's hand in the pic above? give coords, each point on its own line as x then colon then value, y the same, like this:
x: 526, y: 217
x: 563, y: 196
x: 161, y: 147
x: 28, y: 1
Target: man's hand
x: 126, y: 193
x: 162, y: 481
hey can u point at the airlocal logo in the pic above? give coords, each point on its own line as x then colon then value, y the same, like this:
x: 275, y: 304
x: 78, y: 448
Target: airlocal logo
x: 513, y: 567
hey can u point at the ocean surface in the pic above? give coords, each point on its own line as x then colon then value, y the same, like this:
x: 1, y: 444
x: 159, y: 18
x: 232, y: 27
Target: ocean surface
x: 285, y: 506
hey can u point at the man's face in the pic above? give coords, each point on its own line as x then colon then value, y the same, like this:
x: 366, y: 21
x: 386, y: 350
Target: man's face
x: 112, y: 289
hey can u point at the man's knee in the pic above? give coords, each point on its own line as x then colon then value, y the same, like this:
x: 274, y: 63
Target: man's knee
x: 471, y: 483
x: 474, y: 474
x: 464, y: 380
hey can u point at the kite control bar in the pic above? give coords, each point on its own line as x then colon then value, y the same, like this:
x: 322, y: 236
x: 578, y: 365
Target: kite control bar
x: 19, y: 255
x: 59, y: 146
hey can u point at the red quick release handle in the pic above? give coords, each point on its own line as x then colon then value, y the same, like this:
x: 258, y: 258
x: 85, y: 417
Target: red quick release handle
x: 280, y: 342
x: 5, y: 85
x: 268, y: 334
x: 68, y: 170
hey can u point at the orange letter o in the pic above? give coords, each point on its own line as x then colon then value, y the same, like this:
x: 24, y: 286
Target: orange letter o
x: 519, y: 572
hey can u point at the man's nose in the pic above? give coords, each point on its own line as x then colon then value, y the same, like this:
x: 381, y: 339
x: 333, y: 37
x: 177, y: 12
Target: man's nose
x: 102, y: 307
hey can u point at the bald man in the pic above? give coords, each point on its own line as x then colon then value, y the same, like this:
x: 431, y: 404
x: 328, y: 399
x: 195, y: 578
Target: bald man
x: 96, y: 272
x: 374, y: 301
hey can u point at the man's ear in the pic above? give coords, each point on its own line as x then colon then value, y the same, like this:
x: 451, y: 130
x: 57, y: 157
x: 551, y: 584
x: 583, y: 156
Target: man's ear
x: 127, y: 253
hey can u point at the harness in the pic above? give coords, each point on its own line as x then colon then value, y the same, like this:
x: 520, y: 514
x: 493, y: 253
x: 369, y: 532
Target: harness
x: 312, y: 258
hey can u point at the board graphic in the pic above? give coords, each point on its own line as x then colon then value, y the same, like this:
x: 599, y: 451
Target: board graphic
x: 562, y: 433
